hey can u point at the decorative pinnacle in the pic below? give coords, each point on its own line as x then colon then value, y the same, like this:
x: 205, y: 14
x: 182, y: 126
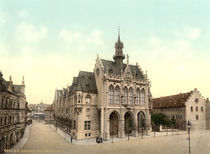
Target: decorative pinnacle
x: 127, y: 59
x: 118, y: 33
x: 10, y: 78
x: 23, y: 82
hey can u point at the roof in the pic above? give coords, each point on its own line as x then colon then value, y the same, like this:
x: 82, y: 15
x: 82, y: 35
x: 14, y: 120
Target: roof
x: 114, y: 69
x: 49, y: 108
x: 85, y: 82
x: 177, y: 100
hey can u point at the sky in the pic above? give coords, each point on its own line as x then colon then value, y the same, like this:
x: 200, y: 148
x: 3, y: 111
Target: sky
x: 50, y: 41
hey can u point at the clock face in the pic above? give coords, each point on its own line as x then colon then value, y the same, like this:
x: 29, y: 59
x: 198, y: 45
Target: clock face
x: 97, y: 71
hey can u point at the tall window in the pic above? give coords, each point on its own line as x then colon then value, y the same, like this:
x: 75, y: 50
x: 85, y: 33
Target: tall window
x: 138, y: 96
x: 117, y: 95
x: 196, y: 108
x: 191, y: 108
x: 197, y: 117
x: 142, y: 96
x: 87, y: 99
x: 130, y: 96
x: 74, y: 125
x: 125, y: 93
x: 202, y: 108
x: 111, y: 94
x: 87, y: 125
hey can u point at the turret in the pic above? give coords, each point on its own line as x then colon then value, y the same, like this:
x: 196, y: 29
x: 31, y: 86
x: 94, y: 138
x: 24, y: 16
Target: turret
x: 119, y: 56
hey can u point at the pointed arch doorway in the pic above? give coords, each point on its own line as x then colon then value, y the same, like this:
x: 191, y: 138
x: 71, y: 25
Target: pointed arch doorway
x: 114, y: 124
x: 128, y: 122
x: 141, y: 121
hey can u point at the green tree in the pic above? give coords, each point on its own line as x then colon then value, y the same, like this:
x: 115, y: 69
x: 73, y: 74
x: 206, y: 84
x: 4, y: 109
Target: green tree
x: 158, y: 119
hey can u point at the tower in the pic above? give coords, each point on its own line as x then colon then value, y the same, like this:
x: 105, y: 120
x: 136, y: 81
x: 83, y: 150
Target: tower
x: 119, y: 56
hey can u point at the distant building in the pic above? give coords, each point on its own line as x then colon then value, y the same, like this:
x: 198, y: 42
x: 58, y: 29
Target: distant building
x: 207, y: 114
x: 38, y: 110
x: 183, y: 107
x: 49, y: 114
x: 113, y: 100
x: 13, y: 112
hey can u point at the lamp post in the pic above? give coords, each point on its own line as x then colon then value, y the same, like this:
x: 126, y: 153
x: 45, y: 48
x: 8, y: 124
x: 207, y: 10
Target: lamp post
x: 188, y: 126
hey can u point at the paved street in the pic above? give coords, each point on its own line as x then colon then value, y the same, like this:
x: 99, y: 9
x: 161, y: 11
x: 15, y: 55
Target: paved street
x: 44, y: 138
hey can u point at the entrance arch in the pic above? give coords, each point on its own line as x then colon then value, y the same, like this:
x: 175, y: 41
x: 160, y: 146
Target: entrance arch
x: 141, y: 121
x: 128, y: 122
x: 113, y: 124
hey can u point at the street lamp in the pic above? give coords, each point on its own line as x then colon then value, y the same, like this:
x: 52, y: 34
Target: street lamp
x: 188, y: 126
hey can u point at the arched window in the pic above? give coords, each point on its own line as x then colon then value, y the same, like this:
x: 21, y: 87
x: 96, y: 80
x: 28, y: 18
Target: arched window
x: 142, y: 96
x: 111, y: 94
x: 117, y: 95
x: 130, y: 94
x: 138, y: 96
x: 87, y: 99
x: 125, y: 93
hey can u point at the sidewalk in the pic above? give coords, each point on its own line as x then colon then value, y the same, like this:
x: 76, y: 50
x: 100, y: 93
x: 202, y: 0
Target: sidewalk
x: 92, y: 141
x: 22, y: 141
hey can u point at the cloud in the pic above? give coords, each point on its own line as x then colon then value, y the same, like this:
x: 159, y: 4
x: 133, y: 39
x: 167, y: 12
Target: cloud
x: 192, y: 33
x: 23, y: 14
x: 69, y: 36
x: 95, y: 37
x: 3, y: 17
x: 30, y: 33
x: 154, y: 40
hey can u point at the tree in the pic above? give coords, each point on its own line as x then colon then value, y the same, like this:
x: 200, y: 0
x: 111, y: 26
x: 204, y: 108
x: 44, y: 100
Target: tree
x: 157, y: 120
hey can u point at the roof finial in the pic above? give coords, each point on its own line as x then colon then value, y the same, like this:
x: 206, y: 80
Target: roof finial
x: 10, y: 78
x: 23, y: 82
x: 118, y: 33
x: 146, y: 73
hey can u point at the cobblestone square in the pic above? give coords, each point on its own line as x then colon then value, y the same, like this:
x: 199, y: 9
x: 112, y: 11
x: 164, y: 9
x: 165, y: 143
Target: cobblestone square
x: 44, y: 139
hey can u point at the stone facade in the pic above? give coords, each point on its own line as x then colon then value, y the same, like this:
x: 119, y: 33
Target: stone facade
x: 114, y: 100
x: 49, y: 114
x: 184, y: 107
x: 13, y: 112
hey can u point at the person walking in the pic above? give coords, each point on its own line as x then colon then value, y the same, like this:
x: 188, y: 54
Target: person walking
x: 71, y: 139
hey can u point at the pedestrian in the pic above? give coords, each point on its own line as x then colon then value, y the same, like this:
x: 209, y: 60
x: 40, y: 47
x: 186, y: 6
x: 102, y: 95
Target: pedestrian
x: 71, y: 139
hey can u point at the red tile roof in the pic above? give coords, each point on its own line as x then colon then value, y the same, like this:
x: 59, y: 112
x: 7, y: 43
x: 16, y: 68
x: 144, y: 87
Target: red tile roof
x: 177, y: 100
x: 49, y: 108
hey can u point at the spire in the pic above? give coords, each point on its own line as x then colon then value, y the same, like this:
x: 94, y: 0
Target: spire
x: 118, y: 33
x: 119, y: 56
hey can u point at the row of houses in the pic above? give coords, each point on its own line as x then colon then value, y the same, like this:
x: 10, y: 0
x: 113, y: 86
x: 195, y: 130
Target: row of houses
x: 14, y: 112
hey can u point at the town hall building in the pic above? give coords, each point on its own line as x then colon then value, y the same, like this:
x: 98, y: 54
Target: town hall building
x: 112, y: 101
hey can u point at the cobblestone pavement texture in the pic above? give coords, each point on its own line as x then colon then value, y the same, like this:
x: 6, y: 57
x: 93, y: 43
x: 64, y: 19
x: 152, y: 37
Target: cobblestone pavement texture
x: 43, y: 138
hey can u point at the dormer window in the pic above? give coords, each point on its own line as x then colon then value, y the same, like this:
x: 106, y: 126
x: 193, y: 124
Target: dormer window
x: 87, y: 99
x: 87, y: 85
